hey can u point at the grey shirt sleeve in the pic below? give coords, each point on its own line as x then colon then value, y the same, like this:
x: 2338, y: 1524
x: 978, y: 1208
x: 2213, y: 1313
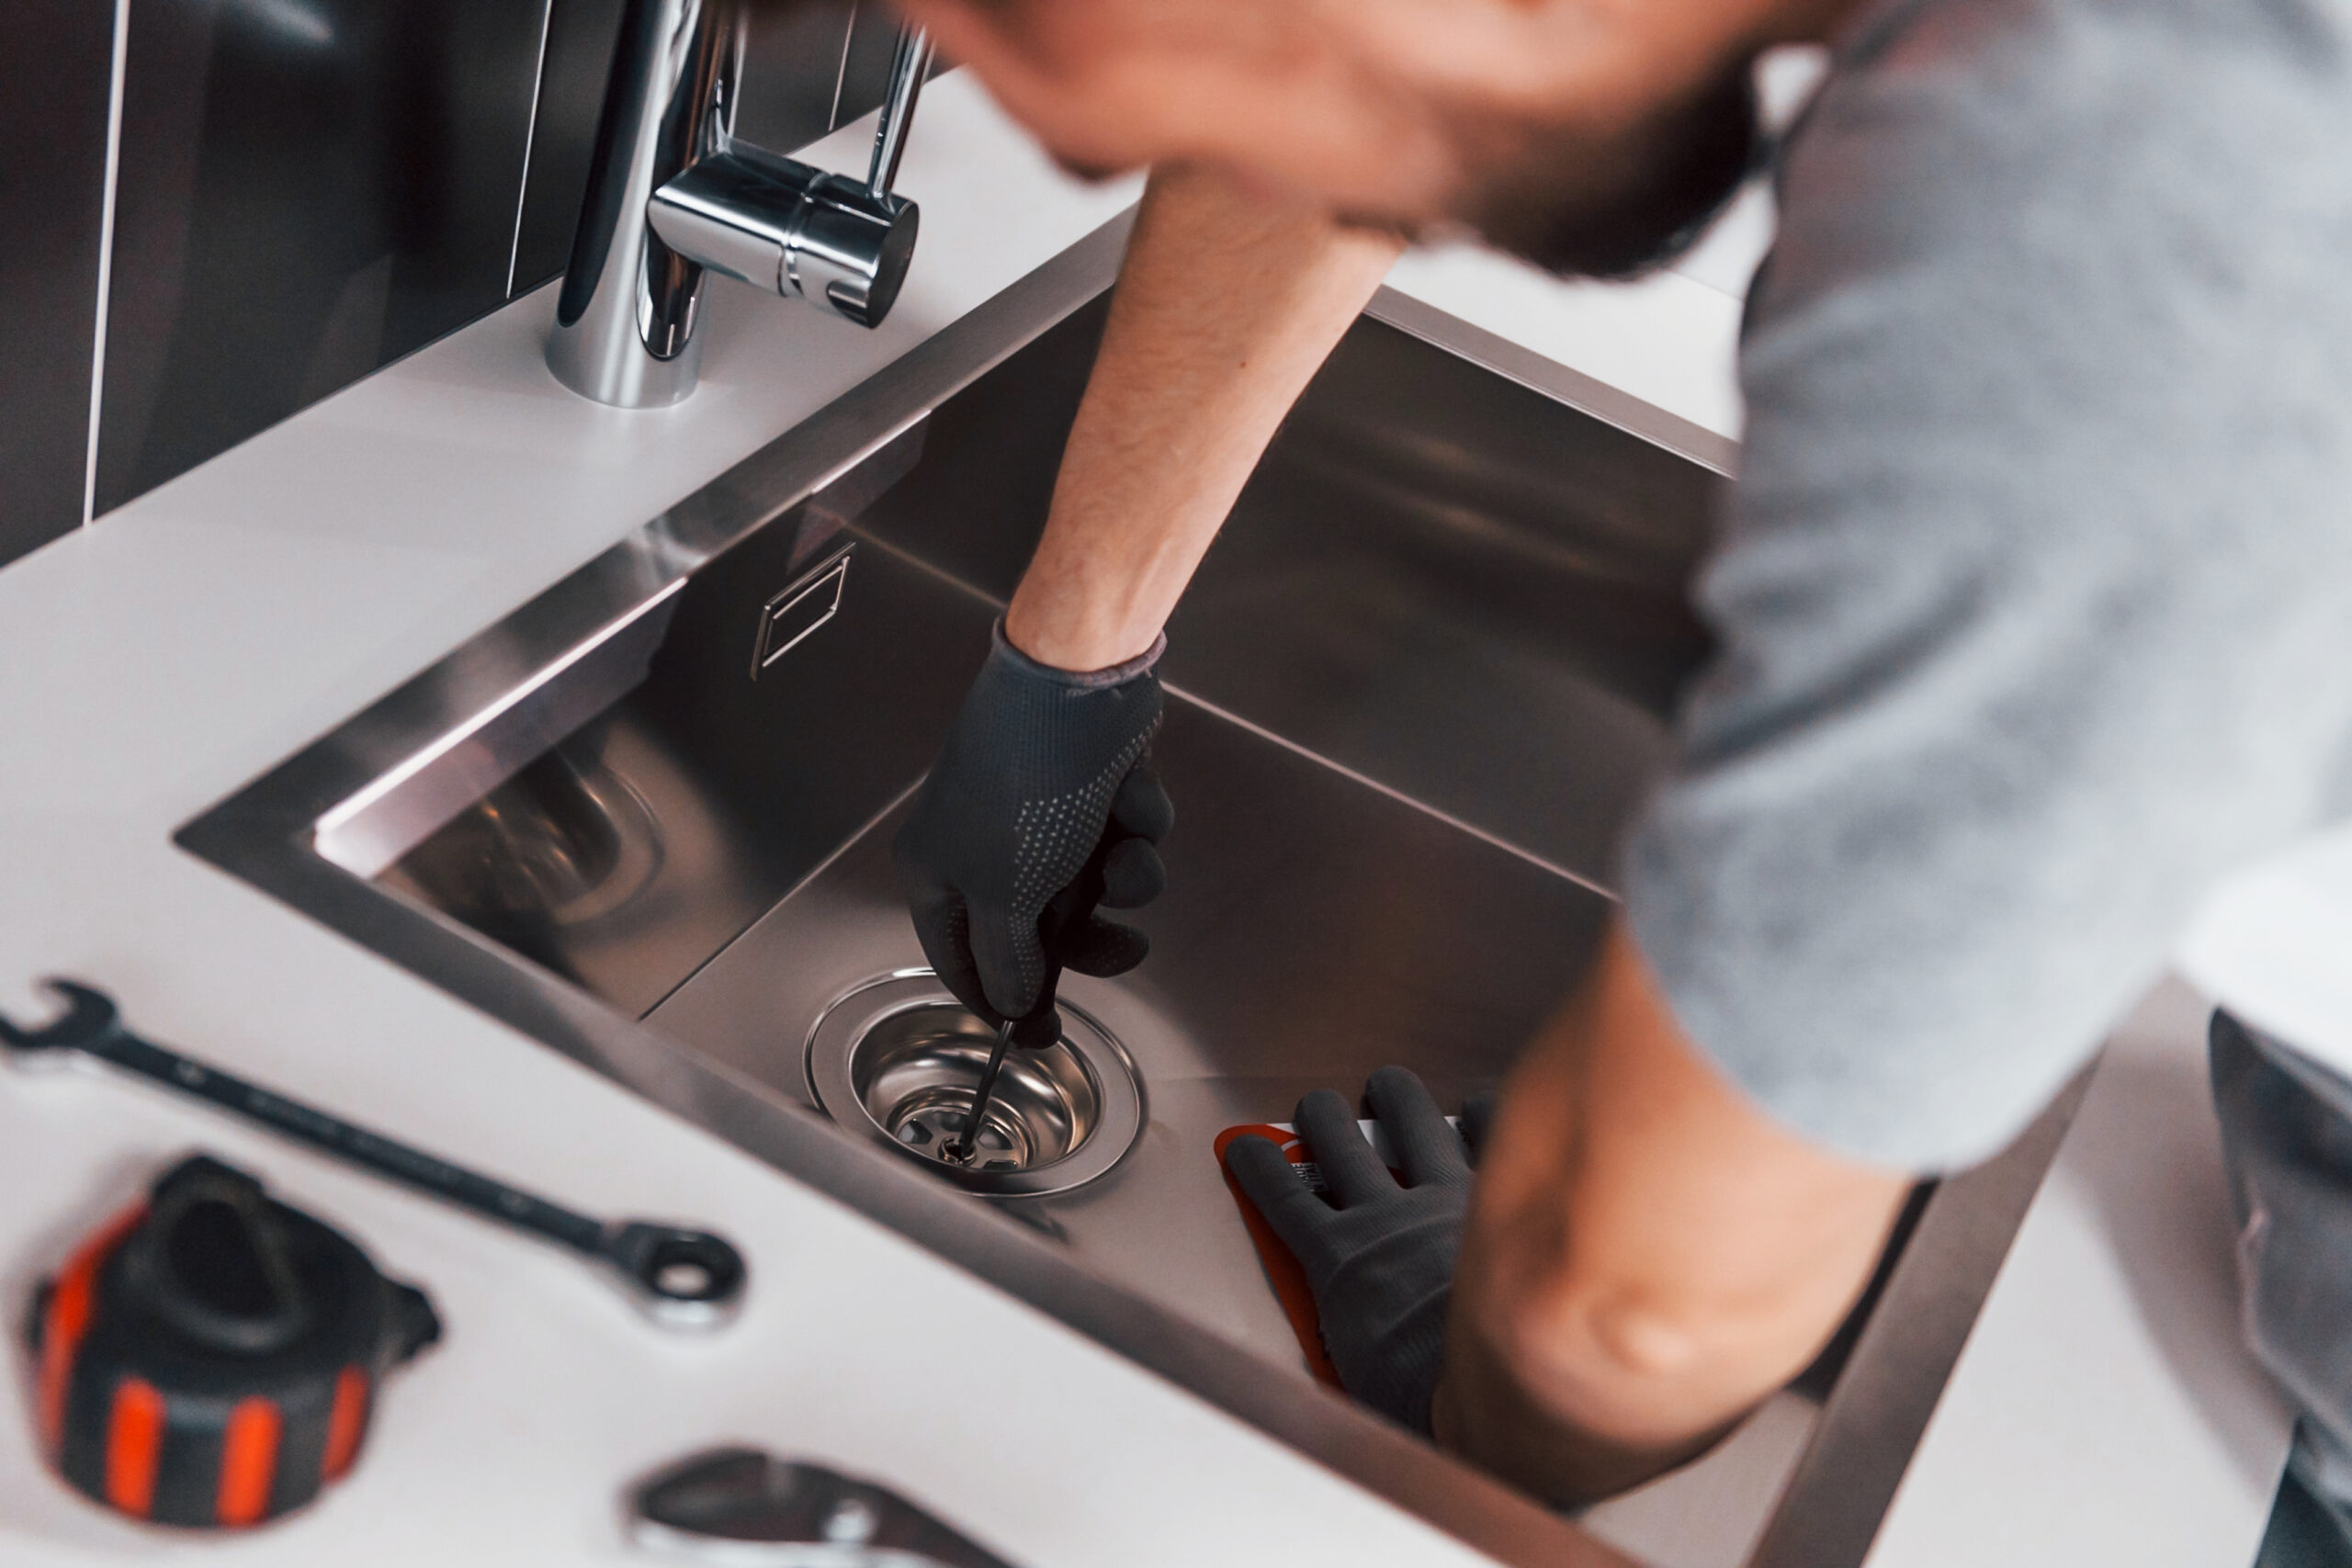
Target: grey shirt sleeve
x: 2034, y: 598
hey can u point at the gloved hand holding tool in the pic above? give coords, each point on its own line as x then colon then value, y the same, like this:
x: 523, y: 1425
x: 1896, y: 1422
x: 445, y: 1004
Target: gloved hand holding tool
x: 1039, y: 791
x: 1379, y: 1256
x: 1038, y: 810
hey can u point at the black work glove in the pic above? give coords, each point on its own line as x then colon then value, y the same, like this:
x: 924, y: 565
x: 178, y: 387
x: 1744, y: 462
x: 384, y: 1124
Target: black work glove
x: 1037, y: 810
x: 1378, y: 1257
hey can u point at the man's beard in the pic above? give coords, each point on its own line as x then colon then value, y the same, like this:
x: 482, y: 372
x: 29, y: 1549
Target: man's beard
x: 1583, y: 207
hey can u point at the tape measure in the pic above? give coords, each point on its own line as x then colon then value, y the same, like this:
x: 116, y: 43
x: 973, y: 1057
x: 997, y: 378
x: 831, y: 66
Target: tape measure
x: 211, y: 1357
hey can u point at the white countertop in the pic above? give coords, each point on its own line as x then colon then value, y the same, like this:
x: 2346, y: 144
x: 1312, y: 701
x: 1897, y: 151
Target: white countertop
x: 162, y: 658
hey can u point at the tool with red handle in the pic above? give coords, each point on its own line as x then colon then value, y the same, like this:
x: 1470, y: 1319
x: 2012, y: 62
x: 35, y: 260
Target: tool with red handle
x: 211, y: 1358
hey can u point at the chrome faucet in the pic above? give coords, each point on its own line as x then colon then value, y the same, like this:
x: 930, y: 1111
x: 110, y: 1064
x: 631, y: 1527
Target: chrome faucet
x: 672, y: 195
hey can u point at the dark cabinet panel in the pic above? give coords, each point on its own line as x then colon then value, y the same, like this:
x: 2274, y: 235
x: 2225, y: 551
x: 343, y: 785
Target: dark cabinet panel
x: 55, y: 60
x: 865, y: 66
x: 792, y: 71
x: 580, y: 38
x: 308, y: 189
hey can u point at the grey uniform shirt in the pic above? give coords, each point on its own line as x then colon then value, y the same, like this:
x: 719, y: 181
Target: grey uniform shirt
x: 2034, y: 597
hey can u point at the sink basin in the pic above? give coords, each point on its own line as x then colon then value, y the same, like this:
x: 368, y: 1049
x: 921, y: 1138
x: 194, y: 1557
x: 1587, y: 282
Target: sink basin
x: 1415, y: 693
x: 1314, y: 927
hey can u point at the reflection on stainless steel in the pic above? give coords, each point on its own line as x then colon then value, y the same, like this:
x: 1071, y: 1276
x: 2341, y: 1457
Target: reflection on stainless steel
x: 703, y: 849
x: 1439, y: 578
x: 621, y: 612
x: 1417, y: 690
x: 1513, y: 362
x: 672, y: 194
x: 1440, y: 583
x: 557, y: 842
x: 900, y: 1059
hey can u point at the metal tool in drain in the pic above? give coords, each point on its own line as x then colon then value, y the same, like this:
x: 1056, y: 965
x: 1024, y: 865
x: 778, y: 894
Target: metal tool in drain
x: 682, y: 1278
x: 967, y: 1146
x: 898, y: 1059
x: 1041, y: 1028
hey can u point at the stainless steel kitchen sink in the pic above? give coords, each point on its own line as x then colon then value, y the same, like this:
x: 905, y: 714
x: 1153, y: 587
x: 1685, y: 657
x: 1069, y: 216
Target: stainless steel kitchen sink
x: 1415, y: 692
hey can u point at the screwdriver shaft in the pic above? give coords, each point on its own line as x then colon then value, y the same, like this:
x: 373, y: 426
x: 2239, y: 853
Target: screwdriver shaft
x: 967, y: 1148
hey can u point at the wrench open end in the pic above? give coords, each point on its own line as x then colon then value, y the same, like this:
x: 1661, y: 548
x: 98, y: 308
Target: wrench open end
x: 89, y: 1018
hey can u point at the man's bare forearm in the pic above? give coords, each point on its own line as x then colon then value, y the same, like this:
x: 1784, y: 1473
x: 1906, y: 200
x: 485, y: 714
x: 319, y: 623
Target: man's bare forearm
x: 1229, y: 300
x: 1648, y: 1254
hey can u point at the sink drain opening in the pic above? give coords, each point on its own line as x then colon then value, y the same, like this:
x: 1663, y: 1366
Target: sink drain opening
x: 902, y: 1059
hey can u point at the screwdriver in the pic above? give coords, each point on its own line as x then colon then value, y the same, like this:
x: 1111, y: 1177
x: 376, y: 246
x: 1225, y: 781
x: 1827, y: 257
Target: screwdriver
x: 1069, y: 910
x: 1042, y: 1020
x: 967, y: 1147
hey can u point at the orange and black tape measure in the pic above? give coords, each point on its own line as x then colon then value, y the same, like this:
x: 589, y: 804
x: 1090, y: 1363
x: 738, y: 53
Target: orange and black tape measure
x: 211, y: 1357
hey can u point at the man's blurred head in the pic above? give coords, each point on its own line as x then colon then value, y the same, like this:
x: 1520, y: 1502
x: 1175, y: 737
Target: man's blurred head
x: 1611, y: 206
x: 1591, y: 136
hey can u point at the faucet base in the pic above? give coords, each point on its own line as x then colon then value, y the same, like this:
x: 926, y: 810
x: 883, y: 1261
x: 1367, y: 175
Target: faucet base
x: 672, y: 195
x: 623, y: 375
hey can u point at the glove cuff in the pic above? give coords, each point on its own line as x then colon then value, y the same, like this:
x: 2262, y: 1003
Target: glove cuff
x: 1397, y: 1374
x: 1078, y: 680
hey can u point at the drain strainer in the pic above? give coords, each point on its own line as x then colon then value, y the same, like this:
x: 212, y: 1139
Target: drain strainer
x: 901, y: 1058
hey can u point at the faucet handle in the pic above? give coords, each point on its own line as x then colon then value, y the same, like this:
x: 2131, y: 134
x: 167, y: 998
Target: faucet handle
x: 910, y: 64
x: 779, y: 224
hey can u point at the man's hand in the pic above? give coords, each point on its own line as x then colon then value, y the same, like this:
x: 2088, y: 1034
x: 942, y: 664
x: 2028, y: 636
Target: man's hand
x: 1038, y: 809
x: 1228, y: 302
x: 1648, y: 1254
x: 1645, y: 1255
x: 1378, y: 1257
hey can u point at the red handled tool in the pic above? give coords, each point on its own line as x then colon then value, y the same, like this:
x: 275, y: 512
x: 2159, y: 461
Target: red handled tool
x: 211, y: 1358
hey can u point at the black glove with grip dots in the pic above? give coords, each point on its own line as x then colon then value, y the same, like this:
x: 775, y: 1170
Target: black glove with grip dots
x: 1038, y: 809
x: 1378, y: 1257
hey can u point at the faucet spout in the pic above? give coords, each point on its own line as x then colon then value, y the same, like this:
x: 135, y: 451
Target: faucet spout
x: 672, y: 195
